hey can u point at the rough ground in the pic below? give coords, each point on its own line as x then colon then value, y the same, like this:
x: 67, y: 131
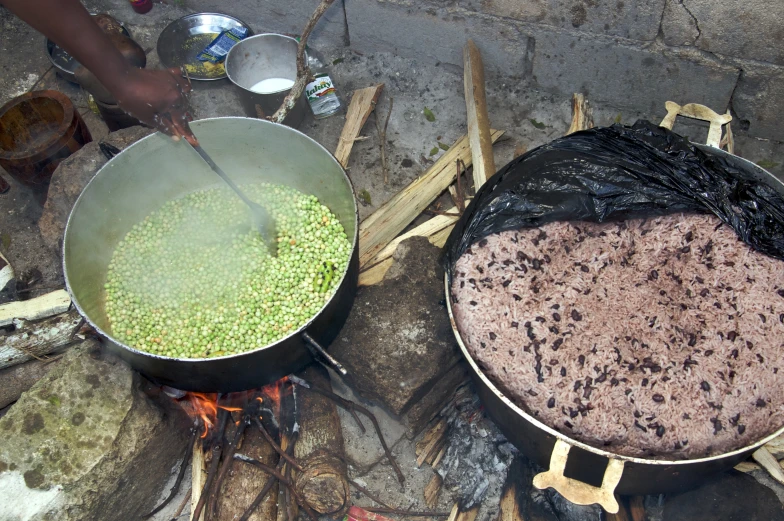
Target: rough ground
x: 530, y: 117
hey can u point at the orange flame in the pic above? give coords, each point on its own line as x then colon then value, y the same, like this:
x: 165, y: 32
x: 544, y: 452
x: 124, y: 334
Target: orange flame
x: 205, y: 405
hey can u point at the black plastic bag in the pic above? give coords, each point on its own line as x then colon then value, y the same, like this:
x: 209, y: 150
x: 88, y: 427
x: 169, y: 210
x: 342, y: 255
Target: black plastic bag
x: 618, y: 173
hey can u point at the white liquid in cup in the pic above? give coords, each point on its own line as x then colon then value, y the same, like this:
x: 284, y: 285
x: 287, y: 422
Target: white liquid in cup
x: 271, y: 85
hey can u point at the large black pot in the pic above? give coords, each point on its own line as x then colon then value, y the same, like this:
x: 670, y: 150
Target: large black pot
x: 157, y: 169
x: 595, y: 475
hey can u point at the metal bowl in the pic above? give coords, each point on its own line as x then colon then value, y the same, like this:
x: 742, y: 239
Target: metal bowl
x: 184, y: 39
x: 155, y: 170
x: 65, y: 64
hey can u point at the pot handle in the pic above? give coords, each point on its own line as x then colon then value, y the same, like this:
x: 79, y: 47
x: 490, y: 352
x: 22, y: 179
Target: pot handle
x: 696, y: 111
x: 319, y: 353
x: 576, y: 491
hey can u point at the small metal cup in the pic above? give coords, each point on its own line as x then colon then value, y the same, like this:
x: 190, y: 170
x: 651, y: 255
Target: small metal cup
x: 259, y: 58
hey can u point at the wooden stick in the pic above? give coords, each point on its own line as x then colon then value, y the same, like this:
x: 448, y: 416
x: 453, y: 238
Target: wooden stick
x: 476, y: 110
x: 769, y: 463
x: 20, y: 378
x: 637, y: 508
x: 303, y: 71
x: 37, y: 308
x: 432, y: 490
x: 38, y: 339
x: 198, y: 476
x: 362, y: 104
x: 387, y: 222
x: 6, y: 272
x: 382, y: 140
x: 581, y: 116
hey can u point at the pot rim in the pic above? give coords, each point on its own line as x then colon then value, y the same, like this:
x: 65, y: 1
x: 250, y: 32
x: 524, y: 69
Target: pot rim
x: 571, y: 441
x: 88, y: 320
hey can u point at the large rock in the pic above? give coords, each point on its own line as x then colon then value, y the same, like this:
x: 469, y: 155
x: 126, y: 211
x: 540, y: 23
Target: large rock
x: 85, y: 443
x: 398, y: 343
x: 70, y: 178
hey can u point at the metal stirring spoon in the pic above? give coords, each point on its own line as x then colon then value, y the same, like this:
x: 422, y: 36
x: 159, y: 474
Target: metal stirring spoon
x: 261, y: 219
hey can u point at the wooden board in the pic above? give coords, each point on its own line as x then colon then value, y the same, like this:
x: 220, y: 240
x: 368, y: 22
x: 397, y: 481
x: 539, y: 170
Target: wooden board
x: 476, y: 112
x: 38, y: 339
x: 362, y: 104
x: 37, y: 308
x: 383, y: 225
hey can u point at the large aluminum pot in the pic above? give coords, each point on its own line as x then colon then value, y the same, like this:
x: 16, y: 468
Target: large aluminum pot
x: 595, y: 475
x: 157, y: 169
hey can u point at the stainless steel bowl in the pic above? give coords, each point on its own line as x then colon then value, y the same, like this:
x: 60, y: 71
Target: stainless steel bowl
x: 184, y: 39
x: 65, y: 64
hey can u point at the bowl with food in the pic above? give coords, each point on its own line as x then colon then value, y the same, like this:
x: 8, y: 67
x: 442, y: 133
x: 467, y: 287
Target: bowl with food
x: 164, y: 261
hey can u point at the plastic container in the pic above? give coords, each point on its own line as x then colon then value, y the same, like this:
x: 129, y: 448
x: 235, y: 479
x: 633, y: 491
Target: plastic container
x: 141, y: 6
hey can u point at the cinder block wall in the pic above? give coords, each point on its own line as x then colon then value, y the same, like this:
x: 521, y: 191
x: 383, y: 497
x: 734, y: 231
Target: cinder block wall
x: 630, y: 54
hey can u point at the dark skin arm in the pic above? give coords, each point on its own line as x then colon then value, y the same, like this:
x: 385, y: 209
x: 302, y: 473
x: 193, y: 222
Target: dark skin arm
x: 155, y: 97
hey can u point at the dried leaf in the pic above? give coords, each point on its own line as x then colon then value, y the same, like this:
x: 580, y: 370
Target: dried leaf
x: 5, y: 240
x: 537, y: 124
x: 429, y: 115
x: 434, y: 151
x: 339, y: 60
x: 364, y: 197
x: 443, y: 146
x: 767, y: 164
x: 617, y: 118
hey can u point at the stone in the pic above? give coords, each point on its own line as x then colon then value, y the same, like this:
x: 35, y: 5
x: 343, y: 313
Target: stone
x: 397, y: 342
x: 431, y: 404
x: 731, y: 496
x: 753, y: 32
x: 758, y: 102
x: 19, y: 378
x: 70, y: 178
x: 679, y: 27
x: 86, y: 441
x: 608, y: 71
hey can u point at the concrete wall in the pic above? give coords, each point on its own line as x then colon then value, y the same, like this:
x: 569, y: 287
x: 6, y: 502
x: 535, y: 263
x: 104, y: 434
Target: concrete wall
x: 630, y: 54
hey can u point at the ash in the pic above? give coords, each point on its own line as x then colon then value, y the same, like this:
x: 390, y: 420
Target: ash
x: 478, y: 455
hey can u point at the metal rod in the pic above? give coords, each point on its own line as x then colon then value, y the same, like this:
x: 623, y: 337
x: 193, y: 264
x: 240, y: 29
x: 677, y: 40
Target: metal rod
x: 315, y: 348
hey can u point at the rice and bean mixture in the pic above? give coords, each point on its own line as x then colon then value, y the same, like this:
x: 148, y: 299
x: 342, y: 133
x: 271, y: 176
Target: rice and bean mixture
x: 654, y: 338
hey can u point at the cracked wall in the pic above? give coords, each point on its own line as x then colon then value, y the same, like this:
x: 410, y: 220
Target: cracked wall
x: 629, y: 54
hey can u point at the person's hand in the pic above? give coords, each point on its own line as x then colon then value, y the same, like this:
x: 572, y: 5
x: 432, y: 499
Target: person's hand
x: 157, y: 98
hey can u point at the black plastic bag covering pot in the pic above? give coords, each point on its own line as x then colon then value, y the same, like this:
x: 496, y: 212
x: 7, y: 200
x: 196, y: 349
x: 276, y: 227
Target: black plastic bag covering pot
x: 618, y: 173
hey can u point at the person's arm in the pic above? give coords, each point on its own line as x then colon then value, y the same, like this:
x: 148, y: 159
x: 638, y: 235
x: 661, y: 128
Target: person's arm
x: 156, y: 97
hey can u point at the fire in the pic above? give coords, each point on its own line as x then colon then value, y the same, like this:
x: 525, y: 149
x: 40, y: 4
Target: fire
x: 205, y: 406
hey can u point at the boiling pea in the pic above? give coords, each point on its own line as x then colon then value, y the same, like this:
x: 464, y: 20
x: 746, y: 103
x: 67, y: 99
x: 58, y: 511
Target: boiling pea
x: 194, y: 280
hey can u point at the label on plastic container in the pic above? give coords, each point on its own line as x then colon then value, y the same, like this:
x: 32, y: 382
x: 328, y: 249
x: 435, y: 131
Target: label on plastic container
x: 322, y: 96
x: 217, y: 50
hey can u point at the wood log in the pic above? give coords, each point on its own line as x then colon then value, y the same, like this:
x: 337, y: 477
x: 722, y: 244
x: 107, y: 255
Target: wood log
x: 519, y: 500
x: 386, y: 223
x: 463, y: 515
x: 6, y: 272
x: 37, y: 308
x: 476, y: 111
x: 18, y: 379
x: 198, y: 476
x: 376, y: 273
x: 320, y: 449
x: 433, y: 490
x: 362, y: 104
x: 637, y: 508
x: 37, y: 339
x: 581, y: 115
x: 243, y: 482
